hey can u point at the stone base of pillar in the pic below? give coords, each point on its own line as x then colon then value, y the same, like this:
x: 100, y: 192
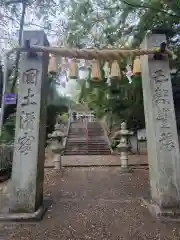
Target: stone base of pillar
x: 162, y: 214
x: 126, y: 169
x: 6, y: 216
x: 57, y: 162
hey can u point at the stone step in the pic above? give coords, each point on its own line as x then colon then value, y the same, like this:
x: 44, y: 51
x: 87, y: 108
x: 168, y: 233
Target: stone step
x: 95, y: 140
x: 94, y: 127
x: 86, y: 147
x: 90, y: 139
x: 77, y: 135
x: 84, y: 127
x: 100, y: 142
x: 96, y: 135
x: 84, y: 130
x: 96, y: 132
x: 89, y: 146
x: 87, y: 150
x: 87, y: 143
x: 84, y: 136
x: 76, y: 142
x: 77, y: 132
x: 87, y: 153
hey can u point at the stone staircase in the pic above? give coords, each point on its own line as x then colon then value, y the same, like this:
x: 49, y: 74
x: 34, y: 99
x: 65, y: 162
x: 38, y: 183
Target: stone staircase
x: 77, y: 143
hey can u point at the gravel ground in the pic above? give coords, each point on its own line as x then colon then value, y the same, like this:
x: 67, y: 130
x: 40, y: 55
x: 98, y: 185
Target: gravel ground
x: 94, y: 203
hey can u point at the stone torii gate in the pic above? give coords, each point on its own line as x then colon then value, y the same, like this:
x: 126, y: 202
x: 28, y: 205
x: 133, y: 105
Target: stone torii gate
x: 29, y: 146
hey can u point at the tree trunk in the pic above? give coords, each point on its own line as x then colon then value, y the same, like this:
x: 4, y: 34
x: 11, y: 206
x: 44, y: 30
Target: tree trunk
x: 19, y: 43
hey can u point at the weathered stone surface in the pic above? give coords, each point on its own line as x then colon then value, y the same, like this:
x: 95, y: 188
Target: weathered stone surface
x: 163, y: 145
x: 29, y: 147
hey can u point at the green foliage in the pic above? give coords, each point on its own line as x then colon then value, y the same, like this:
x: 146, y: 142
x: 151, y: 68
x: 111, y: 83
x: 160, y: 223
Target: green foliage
x: 62, y: 118
x: 117, y: 23
x: 127, y: 103
x: 100, y: 23
x: 124, y: 24
x: 121, y: 101
x: 52, y: 112
x: 57, y: 106
x: 8, y: 130
x: 114, y: 144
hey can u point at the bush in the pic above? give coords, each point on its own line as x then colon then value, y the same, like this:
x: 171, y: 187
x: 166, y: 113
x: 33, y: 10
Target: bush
x: 8, y: 130
x: 114, y: 144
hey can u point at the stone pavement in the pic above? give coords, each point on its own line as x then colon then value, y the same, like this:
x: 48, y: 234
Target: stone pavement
x: 96, y: 160
x: 94, y: 203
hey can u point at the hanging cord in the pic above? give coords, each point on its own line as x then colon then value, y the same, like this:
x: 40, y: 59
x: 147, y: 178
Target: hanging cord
x: 90, y: 54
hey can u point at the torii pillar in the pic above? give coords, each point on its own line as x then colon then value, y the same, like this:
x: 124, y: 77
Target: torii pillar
x: 162, y: 138
x: 26, y: 190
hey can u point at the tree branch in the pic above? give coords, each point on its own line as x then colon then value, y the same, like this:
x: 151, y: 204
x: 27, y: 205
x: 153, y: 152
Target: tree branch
x: 25, y: 24
x: 150, y: 7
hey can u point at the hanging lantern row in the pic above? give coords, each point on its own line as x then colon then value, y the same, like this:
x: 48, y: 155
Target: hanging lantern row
x: 113, y: 72
x: 137, y: 66
x: 74, y: 70
x: 53, y: 66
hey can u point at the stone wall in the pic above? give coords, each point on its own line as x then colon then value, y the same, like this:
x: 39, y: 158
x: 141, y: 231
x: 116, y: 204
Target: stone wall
x: 142, y: 145
x: 138, y: 146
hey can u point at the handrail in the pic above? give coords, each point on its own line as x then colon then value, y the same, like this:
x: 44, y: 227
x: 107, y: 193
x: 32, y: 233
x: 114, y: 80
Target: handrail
x: 105, y: 128
x: 67, y: 132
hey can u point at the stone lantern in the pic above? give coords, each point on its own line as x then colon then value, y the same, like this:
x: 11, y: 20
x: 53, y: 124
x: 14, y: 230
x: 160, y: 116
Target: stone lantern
x: 56, y: 145
x: 123, y: 146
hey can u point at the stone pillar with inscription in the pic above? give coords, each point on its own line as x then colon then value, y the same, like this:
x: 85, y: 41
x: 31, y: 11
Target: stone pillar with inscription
x: 29, y: 146
x: 162, y: 138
